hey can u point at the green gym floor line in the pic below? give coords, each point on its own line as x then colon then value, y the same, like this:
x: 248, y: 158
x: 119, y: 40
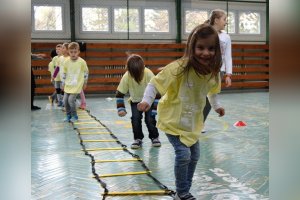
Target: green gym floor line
x: 233, y: 163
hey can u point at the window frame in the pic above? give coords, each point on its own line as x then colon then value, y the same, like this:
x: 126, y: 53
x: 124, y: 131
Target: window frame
x: 53, y: 34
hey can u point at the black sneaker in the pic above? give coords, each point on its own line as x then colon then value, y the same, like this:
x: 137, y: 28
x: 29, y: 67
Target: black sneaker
x: 188, y: 196
x: 137, y: 144
x: 35, y: 108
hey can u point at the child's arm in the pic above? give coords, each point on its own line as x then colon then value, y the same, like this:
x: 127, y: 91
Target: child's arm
x: 56, y: 70
x: 86, y: 75
x: 149, y: 96
x: 120, y: 104
x: 228, y: 63
x: 213, y: 100
x: 51, y: 69
x: 63, y: 76
x: 38, y: 55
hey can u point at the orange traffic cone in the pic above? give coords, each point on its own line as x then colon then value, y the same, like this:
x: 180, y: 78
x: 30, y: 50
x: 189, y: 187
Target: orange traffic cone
x: 239, y: 124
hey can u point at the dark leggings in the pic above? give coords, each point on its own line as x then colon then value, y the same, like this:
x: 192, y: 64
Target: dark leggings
x: 206, y: 109
x: 58, y: 90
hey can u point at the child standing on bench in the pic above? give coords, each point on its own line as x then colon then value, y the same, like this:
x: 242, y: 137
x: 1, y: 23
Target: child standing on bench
x: 135, y: 81
x: 74, y: 79
x: 184, y: 85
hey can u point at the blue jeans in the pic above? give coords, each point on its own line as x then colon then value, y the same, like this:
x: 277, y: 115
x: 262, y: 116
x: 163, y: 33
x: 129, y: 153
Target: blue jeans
x: 70, y: 104
x: 136, y: 122
x: 186, y: 159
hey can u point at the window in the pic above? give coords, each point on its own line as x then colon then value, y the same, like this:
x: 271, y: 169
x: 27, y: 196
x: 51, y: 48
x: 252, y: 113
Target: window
x: 194, y: 18
x: 120, y: 20
x: 48, y: 18
x: 95, y: 19
x: 231, y: 22
x: 156, y: 20
x: 249, y: 23
x: 246, y: 21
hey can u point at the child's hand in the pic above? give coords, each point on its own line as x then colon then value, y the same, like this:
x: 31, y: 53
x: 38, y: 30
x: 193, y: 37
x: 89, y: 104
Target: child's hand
x: 84, y: 86
x: 52, y: 80
x: 221, y: 112
x: 143, y: 106
x: 227, y: 81
x: 122, y: 113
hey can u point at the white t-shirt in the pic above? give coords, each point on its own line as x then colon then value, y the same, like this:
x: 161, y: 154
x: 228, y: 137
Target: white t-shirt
x: 225, y: 43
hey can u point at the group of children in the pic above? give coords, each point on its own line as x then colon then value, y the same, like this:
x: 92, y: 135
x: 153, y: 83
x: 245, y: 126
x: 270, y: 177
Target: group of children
x: 69, y: 75
x: 179, y: 94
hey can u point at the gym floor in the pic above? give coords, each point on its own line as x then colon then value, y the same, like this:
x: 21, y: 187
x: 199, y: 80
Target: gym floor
x: 234, y: 162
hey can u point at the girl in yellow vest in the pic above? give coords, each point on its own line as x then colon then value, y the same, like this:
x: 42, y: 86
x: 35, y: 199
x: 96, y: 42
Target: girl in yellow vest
x: 184, y: 85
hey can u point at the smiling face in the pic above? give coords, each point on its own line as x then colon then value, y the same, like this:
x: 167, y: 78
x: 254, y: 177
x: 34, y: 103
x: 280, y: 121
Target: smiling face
x: 205, y: 50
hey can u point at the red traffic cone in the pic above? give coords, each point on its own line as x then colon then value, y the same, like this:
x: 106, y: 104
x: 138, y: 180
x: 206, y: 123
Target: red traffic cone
x: 240, y: 124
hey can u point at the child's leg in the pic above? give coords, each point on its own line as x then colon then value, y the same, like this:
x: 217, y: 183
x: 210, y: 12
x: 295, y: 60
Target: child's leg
x: 72, y: 104
x: 54, y: 96
x: 151, y: 125
x: 67, y: 107
x: 59, y: 93
x: 195, y: 155
x: 83, y: 102
x: 136, y: 122
x: 181, y: 167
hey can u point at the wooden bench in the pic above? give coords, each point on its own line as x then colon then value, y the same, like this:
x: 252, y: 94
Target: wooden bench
x: 106, y: 62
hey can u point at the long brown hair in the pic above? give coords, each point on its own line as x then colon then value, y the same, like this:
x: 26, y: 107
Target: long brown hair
x: 202, y: 31
x: 135, y: 66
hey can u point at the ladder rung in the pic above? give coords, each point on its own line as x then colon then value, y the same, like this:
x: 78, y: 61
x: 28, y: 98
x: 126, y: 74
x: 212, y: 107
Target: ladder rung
x: 85, y: 119
x: 83, y: 115
x: 124, y: 160
x: 93, y: 133
x: 105, y: 149
x: 124, y: 174
x: 86, y: 128
x: 150, y: 192
x: 94, y: 122
x: 99, y: 140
